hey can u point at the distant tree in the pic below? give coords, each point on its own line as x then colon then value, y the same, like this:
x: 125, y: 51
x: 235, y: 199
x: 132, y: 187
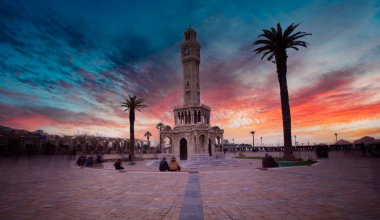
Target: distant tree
x: 148, y: 135
x: 131, y: 104
x: 253, y: 138
x: 273, y: 44
x: 160, y: 126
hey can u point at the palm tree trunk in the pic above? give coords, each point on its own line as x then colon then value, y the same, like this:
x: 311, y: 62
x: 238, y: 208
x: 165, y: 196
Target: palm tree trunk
x: 281, y: 59
x: 132, y: 134
x: 160, y: 140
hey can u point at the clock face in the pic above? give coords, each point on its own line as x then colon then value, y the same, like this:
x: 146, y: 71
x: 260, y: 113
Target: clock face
x: 187, y: 51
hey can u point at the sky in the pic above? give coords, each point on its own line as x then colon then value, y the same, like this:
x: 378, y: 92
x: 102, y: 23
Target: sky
x: 65, y: 66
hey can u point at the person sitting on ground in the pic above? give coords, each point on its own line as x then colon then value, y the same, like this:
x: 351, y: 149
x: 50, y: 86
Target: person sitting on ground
x: 174, y: 166
x: 90, y: 161
x: 99, y: 158
x: 164, y: 165
x: 117, y: 165
x: 268, y: 161
x: 81, y: 160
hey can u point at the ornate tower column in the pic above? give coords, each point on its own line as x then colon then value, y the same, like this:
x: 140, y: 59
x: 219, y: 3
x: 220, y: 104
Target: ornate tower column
x: 190, y: 54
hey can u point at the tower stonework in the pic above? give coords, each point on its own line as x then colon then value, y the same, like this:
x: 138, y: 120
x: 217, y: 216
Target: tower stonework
x: 192, y: 134
x: 190, y: 55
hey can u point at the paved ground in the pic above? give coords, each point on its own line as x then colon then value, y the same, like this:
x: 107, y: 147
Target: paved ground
x: 346, y: 186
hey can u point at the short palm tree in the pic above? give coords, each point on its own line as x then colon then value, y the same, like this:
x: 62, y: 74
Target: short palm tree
x: 131, y: 104
x: 160, y: 126
x: 273, y: 44
x: 253, y: 138
x: 148, y: 135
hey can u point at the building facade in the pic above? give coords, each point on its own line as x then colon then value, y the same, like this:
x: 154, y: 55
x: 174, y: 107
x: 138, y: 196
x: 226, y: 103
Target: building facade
x: 192, y: 133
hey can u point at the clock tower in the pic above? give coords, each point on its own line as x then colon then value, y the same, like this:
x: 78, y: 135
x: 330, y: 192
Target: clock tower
x: 192, y: 135
x: 190, y: 54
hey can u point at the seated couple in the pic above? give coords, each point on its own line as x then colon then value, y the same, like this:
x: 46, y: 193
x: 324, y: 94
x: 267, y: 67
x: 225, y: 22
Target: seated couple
x: 172, y: 166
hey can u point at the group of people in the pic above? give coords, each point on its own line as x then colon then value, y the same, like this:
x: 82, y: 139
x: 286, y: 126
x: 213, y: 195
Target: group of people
x: 89, y: 161
x: 164, y: 166
x: 267, y: 161
x: 172, y: 166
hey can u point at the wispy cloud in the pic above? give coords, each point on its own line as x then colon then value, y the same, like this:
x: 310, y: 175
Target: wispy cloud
x: 65, y: 68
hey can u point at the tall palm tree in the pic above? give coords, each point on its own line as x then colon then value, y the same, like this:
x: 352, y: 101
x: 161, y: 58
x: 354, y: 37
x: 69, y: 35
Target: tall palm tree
x: 273, y: 43
x: 148, y: 135
x: 160, y: 126
x: 131, y: 104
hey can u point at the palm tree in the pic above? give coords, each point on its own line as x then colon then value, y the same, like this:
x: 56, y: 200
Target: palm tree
x: 131, y: 104
x: 160, y: 126
x: 273, y: 44
x: 148, y: 135
x: 253, y: 136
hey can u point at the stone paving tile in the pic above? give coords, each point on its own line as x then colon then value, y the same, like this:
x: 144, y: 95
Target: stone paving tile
x: 66, y: 192
x: 345, y: 186
x: 339, y: 189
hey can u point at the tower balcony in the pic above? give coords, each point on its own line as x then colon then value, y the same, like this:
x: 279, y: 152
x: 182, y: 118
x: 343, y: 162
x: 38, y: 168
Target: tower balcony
x: 192, y: 115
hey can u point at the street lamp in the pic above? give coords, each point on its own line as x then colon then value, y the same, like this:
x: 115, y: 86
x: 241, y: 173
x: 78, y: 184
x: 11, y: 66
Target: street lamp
x: 253, y: 136
x: 295, y: 140
x: 336, y: 137
x: 261, y: 141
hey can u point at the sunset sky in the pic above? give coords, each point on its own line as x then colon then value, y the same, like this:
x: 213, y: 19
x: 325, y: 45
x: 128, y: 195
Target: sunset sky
x: 65, y: 66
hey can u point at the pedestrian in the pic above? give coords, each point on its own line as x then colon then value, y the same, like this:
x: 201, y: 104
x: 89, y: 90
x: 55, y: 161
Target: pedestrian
x: 174, y: 165
x: 164, y: 165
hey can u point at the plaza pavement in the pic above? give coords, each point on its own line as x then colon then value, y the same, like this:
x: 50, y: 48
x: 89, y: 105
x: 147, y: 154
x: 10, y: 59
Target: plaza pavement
x: 345, y: 186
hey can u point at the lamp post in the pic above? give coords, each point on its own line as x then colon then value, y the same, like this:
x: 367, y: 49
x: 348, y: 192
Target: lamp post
x: 295, y: 140
x: 261, y: 141
x: 253, y: 136
x: 336, y: 137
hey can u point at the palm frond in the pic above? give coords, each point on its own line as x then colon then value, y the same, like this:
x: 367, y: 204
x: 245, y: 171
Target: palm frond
x: 262, y: 42
x: 132, y: 103
x: 297, y: 36
x: 298, y: 43
x: 267, y: 53
x: 290, y: 29
x: 275, y: 39
x: 264, y: 48
x: 267, y: 34
x: 279, y: 30
x: 270, y: 57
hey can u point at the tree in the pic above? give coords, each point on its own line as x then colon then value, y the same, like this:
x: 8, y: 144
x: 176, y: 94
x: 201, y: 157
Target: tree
x: 148, y: 135
x: 131, y: 104
x: 160, y: 126
x: 273, y: 44
x: 253, y: 138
